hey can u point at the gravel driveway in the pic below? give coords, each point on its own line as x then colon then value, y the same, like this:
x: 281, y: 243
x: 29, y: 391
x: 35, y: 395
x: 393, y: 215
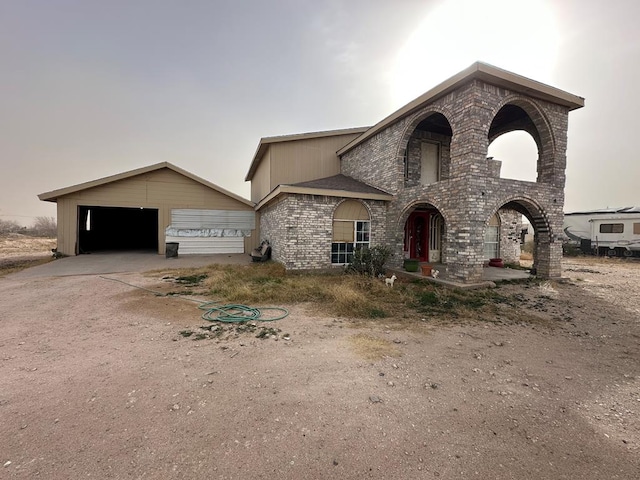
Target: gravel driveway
x: 96, y: 381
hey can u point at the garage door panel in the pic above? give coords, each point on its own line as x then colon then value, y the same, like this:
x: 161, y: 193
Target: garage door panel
x: 231, y: 219
x: 208, y: 245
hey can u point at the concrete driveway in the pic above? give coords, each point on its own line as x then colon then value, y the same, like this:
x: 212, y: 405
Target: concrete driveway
x: 119, y: 262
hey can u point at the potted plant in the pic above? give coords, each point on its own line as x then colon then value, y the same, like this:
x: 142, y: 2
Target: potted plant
x: 496, y: 262
x: 411, y: 264
x: 426, y: 270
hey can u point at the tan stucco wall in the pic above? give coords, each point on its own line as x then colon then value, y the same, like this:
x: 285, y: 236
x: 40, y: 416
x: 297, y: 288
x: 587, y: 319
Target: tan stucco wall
x: 297, y: 161
x: 162, y: 189
x: 260, y: 185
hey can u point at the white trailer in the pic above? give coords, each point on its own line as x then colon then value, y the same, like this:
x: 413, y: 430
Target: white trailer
x: 612, y: 232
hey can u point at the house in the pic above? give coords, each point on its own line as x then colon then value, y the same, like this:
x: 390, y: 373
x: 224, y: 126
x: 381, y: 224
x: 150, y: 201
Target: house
x: 143, y: 209
x: 419, y: 181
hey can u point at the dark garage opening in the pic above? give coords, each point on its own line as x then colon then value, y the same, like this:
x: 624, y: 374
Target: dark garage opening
x: 117, y: 228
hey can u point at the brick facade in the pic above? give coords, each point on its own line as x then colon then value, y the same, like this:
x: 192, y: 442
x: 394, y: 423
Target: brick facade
x: 469, y: 193
x: 300, y: 228
x: 462, y: 121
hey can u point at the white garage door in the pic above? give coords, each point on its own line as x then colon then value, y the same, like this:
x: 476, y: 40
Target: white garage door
x: 208, y: 245
x: 209, y: 231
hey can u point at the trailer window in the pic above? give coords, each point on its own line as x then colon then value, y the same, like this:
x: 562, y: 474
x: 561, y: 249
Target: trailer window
x: 636, y: 228
x: 612, y: 228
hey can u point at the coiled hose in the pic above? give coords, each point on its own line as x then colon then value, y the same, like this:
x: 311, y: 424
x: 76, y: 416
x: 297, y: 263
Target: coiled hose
x: 230, y: 313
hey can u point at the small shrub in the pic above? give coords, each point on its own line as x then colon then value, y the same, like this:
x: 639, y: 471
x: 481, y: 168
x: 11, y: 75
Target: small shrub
x: 571, y: 250
x: 370, y: 261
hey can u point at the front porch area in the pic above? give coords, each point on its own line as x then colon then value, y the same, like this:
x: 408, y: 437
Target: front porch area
x: 490, y: 275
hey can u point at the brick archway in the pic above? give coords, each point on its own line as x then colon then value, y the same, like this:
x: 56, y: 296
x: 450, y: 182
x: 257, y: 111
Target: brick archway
x: 547, y: 253
x: 518, y: 113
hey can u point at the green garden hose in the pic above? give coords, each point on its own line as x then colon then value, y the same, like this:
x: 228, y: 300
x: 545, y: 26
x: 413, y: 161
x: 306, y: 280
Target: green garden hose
x: 235, y: 313
x: 230, y: 313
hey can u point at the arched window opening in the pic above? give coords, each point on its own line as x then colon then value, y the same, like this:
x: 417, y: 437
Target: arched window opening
x: 351, y: 231
x: 514, y: 155
x: 514, y: 144
x: 426, y: 158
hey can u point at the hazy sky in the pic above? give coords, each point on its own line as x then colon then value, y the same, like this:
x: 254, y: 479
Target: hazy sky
x: 94, y: 88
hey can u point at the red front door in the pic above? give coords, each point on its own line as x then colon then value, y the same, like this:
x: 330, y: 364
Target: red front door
x: 417, y: 235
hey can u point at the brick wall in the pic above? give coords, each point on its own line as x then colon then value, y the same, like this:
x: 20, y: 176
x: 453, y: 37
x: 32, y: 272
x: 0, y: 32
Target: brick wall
x: 510, y: 227
x: 300, y: 228
x: 469, y: 193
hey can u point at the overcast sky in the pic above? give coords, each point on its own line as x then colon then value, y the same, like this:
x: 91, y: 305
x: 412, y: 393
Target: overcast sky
x: 94, y: 88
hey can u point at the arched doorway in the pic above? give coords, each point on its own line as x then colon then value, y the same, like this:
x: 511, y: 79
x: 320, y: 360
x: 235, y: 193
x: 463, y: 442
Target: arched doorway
x: 424, y: 234
x: 546, y: 252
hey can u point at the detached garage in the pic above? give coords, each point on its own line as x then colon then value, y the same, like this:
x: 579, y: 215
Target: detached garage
x: 145, y: 208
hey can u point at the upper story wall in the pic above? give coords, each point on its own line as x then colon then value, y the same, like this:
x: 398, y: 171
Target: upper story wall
x: 260, y: 183
x: 476, y: 115
x: 295, y: 161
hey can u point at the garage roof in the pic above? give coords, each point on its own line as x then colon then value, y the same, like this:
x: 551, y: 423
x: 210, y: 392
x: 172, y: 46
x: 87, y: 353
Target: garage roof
x: 55, y: 194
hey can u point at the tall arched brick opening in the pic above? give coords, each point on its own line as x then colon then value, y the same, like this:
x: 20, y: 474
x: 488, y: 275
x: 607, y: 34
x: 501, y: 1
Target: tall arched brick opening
x: 519, y: 113
x: 547, y: 252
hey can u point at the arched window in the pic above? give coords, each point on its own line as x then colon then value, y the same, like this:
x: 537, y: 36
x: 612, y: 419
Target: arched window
x: 351, y: 231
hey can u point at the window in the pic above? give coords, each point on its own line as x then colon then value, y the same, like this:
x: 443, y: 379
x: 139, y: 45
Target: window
x: 612, y: 228
x: 636, y: 228
x: 430, y: 163
x: 342, y: 252
x: 351, y: 231
x: 492, y: 239
x: 362, y: 233
x: 491, y: 242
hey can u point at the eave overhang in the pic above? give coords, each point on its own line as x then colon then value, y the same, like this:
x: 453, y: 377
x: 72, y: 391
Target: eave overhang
x: 293, y: 189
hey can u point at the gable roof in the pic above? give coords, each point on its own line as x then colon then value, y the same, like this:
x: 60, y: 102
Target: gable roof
x: 266, y: 141
x: 481, y: 71
x: 55, y: 194
x: 343, y: 183
x: 334, y: 186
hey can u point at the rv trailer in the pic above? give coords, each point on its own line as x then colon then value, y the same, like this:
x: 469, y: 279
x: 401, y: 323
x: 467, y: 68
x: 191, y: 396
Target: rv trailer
x: 613, y: 232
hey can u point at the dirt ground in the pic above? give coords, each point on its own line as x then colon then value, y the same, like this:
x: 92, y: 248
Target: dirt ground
x: 96, y: 381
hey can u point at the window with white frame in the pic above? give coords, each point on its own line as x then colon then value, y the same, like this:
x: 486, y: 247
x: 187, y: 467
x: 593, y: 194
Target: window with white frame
x: 492, y: 239
x: 351, y: 231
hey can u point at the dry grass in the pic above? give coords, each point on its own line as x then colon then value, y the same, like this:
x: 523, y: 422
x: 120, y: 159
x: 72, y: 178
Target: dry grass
x: 18, y: 252
x: 342, y: 295
x: 373, y: 348
x: 13, y: 265
x: 16, y: 245
x: 334, y: 293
